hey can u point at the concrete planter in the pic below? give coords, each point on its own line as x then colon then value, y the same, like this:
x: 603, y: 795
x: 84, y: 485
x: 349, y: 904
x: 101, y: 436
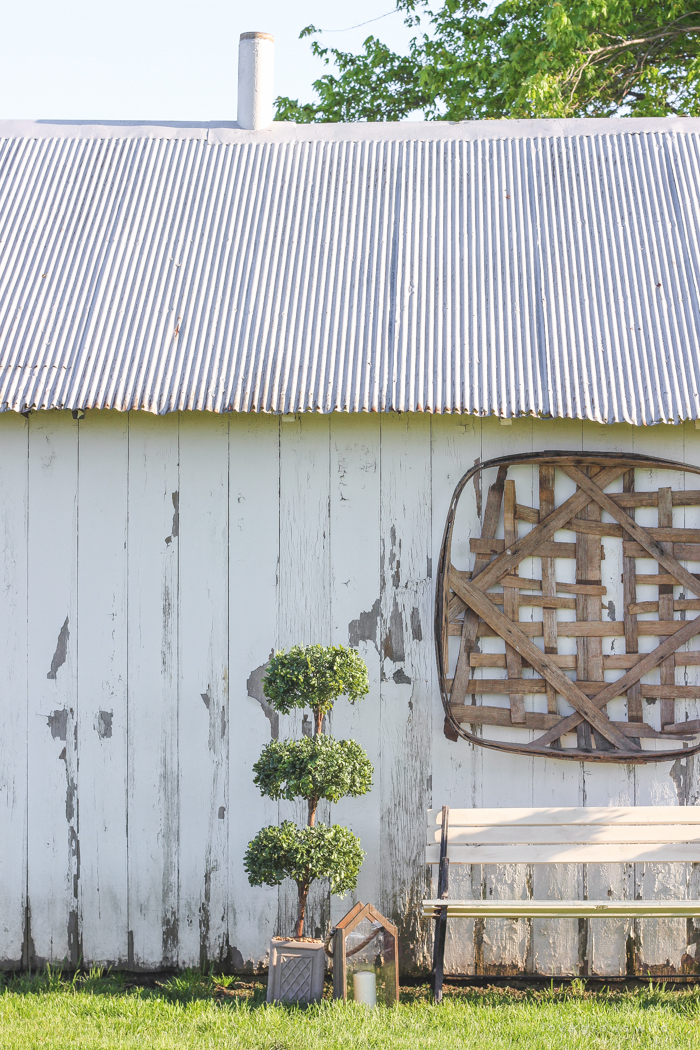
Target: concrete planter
x: 296, y: 971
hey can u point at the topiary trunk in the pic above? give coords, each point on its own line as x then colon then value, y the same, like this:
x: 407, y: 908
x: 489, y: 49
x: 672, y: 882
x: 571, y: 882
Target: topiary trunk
x: 303, y: 888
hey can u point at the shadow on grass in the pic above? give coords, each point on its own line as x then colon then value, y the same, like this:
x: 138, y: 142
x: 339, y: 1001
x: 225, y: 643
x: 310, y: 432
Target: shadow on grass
x: 184, y: 986
x: 682, y: 999
x: 249, y: 992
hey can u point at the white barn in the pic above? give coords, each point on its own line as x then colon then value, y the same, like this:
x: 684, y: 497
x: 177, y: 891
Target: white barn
x: 241, y: 373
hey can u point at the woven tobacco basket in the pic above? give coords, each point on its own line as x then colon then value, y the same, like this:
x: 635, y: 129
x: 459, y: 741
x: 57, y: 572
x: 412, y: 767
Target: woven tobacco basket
x: 563, y: 716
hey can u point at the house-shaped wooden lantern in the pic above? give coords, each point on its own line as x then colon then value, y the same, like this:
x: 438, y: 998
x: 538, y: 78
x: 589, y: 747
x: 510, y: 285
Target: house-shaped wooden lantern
x: 366, y: 958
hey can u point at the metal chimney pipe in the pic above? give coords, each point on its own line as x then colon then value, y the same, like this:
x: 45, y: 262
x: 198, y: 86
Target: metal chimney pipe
x: 256, y: 56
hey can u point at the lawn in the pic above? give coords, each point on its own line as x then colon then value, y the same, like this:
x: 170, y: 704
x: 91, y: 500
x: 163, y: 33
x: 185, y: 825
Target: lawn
x: 98, y: 1011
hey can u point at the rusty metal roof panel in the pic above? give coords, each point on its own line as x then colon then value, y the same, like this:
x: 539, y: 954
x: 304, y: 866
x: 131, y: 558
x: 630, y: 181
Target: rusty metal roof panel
x: 539, y: 267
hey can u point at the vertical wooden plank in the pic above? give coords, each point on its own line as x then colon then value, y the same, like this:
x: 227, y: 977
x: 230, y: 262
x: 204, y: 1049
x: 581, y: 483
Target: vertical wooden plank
x: 511, y: 602
x: 442, y: 580
x: 203, y: 688
x: 153, y: 785
x: 658, y: 946
x: 13, y: 712
x: 407, y: 673
x: 667, y: 668
x: 583, y: 730
x: 303, y: 611
x: 589, y: 663
x: 687, y: 773
x: 558, y: 946
x: 629, y: 581
x: 355, y: 608
x: 456, y: 445
x: 304, y: 600
x: 502, y: 946
x: 549, y: 616
x: 52, y: 802
x: 604, y: 945
x: 604, y: 942
x: 594, y: 611
x: 689, y: 517
x: 102, y: 683
x: 253, y: 565
x: 492, y: 515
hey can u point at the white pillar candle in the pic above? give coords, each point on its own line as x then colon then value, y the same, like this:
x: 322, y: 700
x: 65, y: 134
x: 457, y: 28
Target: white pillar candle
x: 365, y: 987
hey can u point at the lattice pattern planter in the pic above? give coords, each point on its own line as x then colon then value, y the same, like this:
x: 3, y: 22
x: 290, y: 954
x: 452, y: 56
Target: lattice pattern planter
x: 296, y: 971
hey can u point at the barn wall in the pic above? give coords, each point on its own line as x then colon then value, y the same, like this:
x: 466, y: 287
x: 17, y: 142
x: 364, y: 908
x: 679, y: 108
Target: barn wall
x: 151, y: 564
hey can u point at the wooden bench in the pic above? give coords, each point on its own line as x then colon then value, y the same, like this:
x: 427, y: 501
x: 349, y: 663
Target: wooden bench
x: 555, y: 836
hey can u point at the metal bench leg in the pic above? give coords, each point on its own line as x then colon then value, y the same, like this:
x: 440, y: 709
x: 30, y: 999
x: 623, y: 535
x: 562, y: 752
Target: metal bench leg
x: 439, y: 954
x: 441, y: 918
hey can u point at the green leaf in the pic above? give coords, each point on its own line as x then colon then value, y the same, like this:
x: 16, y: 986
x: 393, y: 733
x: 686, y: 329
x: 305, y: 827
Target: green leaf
x: 304, y: 854
x: 315, y: 676
x: 313, y: 768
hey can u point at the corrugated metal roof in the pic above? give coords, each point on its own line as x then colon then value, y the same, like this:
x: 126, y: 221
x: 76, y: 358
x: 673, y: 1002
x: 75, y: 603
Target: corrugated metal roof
x: 547, y: 267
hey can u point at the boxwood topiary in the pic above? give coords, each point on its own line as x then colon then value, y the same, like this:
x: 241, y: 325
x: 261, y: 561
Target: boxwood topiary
x: 313, y: 768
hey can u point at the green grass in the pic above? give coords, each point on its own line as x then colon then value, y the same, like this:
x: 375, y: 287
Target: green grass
x: 98, y: 1010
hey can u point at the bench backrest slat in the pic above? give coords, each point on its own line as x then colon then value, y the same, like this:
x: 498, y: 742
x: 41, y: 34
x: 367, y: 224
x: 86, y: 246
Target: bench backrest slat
x: 579, y: 853
x: 660, y: 834
x: 570, y: 815
x: 568, y: 833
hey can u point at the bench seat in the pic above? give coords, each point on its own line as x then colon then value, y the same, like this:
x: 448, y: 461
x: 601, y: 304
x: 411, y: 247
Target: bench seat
x: 556, y: 835
x: 533, y: 909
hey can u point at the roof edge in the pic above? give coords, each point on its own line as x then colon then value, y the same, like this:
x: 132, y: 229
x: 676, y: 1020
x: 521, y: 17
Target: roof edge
x: 229, y: 132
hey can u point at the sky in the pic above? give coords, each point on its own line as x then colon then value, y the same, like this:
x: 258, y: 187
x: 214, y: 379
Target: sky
x: 152, y: 60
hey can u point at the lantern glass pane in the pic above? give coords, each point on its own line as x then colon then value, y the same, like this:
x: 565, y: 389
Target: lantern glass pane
x: 370, y: 947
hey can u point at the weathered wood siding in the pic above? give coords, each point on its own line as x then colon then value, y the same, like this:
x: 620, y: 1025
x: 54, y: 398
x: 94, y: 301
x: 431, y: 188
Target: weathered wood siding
x: 150, y: 565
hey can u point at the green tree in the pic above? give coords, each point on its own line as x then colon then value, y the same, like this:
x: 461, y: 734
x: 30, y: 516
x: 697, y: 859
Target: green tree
x: 519, y: 59
x: 313, y: 768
